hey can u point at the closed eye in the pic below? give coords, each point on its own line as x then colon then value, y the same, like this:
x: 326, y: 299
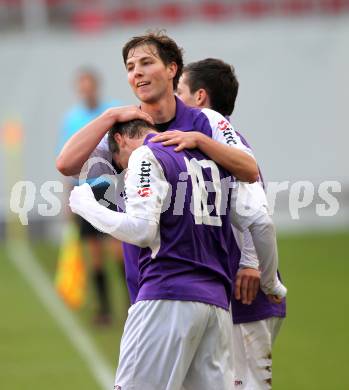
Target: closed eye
x: 147, y: 61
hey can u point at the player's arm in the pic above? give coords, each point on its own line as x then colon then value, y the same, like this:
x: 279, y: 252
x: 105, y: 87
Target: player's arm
x: 122, y: 226
x: 79, y: 147
x: 249, y: 211
x: 140, y: 224
x: 247, y: 278
x: 224, y: 147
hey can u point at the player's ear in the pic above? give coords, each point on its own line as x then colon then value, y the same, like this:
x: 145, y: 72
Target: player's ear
x: 201, y: 98
x: 119, y: 139
x: 172, y: 70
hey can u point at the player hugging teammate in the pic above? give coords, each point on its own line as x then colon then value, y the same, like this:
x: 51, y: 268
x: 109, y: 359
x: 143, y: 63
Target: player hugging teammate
x: 183, y: 268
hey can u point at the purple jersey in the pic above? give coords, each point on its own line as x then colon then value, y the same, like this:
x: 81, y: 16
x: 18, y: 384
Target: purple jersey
x: 187, y: 118
x: 261, y: 308
x: 213, y: 125
x: 131, y: 256
x: 194, y: 254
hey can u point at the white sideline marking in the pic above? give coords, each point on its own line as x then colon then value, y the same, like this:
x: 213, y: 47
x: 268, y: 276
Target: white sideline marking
x: 23, y: 258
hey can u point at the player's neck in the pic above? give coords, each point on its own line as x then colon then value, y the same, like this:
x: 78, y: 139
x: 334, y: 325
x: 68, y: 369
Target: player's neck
x: 163, y: 110
x: 135, y: 143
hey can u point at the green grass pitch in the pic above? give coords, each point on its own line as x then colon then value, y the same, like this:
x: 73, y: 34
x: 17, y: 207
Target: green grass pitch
x: 310, y: 351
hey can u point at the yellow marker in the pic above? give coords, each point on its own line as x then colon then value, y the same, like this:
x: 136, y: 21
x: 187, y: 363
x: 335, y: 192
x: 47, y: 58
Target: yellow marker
x: 12, y: 133
x: 71, y: 272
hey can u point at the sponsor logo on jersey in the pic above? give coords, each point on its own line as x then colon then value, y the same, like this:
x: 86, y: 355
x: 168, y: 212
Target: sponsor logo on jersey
x: 117, y: 387
x: 144, y: 192
x: 238, y: 383
x: 123, y: 195
x: 225, y: 127
x: 143, y: 188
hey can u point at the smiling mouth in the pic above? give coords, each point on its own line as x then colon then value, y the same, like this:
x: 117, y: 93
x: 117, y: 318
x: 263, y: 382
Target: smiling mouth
x: 142, y: 83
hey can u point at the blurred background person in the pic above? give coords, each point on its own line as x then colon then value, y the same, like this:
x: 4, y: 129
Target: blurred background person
x: 96, y: 244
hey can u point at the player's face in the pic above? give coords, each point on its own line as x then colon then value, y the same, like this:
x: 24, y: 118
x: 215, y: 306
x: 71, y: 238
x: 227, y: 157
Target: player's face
x: 149, y: 78
x: 126, y: 146
x: 183, y: 91
x: 121, y: 158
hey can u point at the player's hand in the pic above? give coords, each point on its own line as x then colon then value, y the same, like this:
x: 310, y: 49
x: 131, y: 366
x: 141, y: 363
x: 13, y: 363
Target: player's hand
x: 184, y: 139
x: 275, y: 291
x: 127, y: 113
x: 274, y: 299
x: 79, y: 196
x: 247, y: 285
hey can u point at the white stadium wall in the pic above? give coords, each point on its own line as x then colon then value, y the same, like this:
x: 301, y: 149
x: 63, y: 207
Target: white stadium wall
x: 292, y: 105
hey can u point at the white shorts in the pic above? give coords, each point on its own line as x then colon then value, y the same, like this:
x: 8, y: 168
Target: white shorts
x: 252, y: 350
x: 175, y: 345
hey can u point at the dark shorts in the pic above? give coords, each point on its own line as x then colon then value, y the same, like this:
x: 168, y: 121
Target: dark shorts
x: 86, y: 229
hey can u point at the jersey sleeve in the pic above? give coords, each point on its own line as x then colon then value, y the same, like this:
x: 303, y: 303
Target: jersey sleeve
x: 248, y: 257
x: 133, y: 230
x: 248, y: 204
x: 146, y: 187
x: 223, y: 131
x: 99, y: 163
x: 103, y: 146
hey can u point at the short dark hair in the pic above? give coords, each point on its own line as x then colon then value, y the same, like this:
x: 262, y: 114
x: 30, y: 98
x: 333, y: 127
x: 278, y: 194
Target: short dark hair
x: 167, y: 49
x: 133, y: 129
x: 218, y: 79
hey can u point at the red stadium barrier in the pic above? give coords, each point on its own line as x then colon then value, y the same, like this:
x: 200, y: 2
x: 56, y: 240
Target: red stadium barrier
x: 129, y: 15
x: 335, y: 6
x: 214, y: 11
x: 95, y: 15
x: 89, y: 20
x: 256, y: 8
x: 11, y: 3
x: 296, y: 7
x: 173, y: 13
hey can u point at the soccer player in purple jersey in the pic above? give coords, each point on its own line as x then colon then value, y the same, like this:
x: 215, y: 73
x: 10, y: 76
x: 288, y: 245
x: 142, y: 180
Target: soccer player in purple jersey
x: 154, y: 64
x: 212, y: 83
x: 178, y: 333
